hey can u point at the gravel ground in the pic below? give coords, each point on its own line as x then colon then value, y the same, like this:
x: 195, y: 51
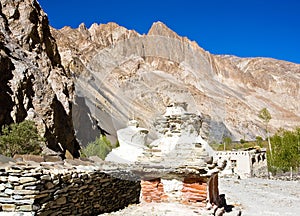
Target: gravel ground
x: 253, y: 196
x: 262, y: 196
x: 157, y: 209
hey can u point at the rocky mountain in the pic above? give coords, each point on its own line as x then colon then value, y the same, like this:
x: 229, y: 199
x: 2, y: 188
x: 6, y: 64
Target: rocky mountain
x: 33, y: 82
x: 120, y: 74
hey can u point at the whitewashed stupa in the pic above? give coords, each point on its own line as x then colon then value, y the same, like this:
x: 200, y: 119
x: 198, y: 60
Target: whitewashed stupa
x: 132, y: 140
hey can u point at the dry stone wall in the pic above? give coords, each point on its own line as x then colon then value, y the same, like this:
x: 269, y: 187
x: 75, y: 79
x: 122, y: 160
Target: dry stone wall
x: 61, y: 188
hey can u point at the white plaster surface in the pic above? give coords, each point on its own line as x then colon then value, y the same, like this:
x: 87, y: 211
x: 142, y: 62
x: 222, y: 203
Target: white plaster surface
x: 132, y: 141
x: 172, y: 185
x: 243, y: 166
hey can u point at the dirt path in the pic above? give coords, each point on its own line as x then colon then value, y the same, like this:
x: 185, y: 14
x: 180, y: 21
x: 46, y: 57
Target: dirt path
x: 157, y: 209
x: 262, y: 196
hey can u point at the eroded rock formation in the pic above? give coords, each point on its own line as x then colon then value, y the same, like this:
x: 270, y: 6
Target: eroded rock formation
x: 121, y: 74
x: 33, y: 83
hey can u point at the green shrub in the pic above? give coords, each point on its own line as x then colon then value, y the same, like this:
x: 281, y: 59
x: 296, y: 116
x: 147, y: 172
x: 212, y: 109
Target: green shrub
x: 117, y: 144
x: 100, y: 147
x: 20, y: 138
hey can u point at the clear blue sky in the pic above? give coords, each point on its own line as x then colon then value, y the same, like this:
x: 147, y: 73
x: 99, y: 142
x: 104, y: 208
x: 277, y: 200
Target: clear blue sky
x: 245, y: 28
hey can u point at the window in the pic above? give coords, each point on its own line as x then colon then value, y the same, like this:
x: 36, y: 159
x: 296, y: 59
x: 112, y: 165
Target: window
x: 233, y: 163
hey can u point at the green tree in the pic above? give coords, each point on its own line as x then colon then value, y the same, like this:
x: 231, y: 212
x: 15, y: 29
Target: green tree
x: 242, y: 141
x: 226, y: 141
x: 259, y: 141
x: 20, y: 138
x: 265, y: 115
x: 286, y: 153
x: 100, y: 147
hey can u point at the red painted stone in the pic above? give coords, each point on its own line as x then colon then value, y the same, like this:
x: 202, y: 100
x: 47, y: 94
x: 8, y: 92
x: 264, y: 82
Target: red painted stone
x: 198, y: 186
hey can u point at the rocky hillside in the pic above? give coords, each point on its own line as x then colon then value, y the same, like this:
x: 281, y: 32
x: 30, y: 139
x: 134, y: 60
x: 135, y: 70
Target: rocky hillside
x: 120, y: 74
x: 33, y: 83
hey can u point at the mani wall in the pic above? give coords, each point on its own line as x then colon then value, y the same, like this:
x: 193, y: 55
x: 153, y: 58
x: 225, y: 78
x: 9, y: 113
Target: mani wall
x: 65, y: 188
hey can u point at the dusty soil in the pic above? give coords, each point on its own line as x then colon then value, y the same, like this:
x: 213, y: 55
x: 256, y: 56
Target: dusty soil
x: 157, y: 209
x: 262, y: 196
x: 253, y: 196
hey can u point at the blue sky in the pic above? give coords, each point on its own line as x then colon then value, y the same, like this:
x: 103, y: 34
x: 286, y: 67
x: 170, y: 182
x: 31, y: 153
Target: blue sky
x: 245, y: 28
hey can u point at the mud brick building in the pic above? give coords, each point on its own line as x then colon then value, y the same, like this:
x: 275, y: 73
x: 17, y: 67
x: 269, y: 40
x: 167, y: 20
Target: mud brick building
x: 246, y: 163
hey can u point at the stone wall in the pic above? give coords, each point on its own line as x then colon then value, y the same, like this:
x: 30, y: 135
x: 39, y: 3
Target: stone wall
x: 64, y: 189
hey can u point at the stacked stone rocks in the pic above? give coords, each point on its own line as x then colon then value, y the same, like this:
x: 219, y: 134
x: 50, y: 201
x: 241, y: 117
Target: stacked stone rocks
x: 178, y: 166
x: 64, y: 189
x: 179, y: 142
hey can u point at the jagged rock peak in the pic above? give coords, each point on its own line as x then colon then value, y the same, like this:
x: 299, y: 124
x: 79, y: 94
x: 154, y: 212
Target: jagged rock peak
x: 111, y: 25
x: 82, y: 27
x: 160, y: 29
x: 89, y: 40
x: 110, y: 28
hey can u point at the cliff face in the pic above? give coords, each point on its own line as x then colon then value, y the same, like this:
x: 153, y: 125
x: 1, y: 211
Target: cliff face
x: 121, y: 74
x: 33, y: 83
